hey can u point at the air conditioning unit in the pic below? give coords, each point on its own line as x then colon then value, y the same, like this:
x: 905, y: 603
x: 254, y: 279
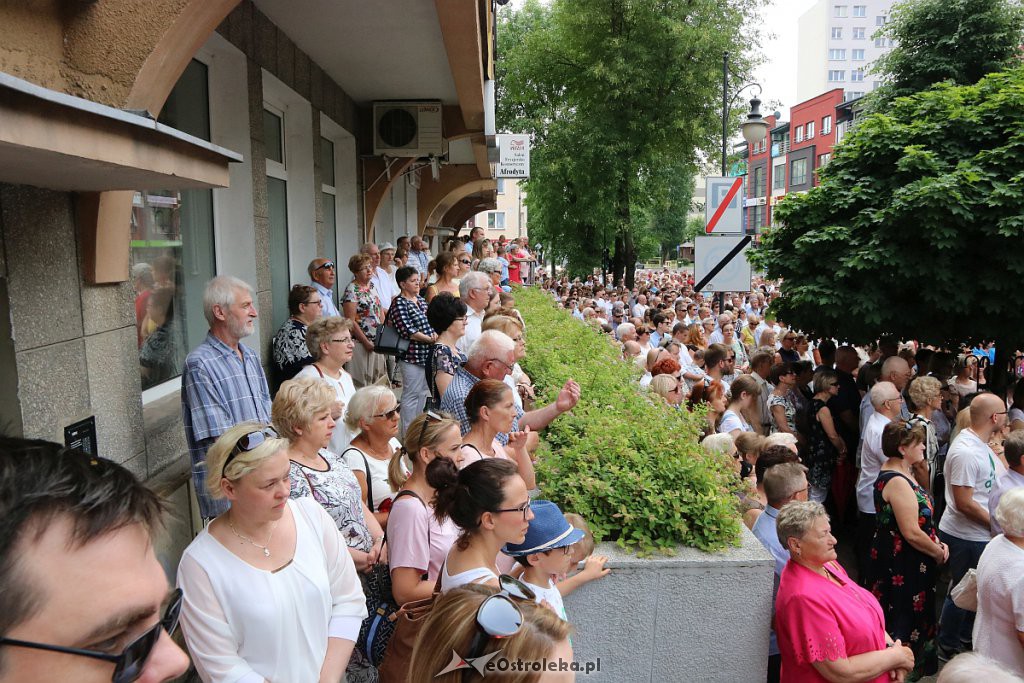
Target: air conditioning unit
x: 407, y: 129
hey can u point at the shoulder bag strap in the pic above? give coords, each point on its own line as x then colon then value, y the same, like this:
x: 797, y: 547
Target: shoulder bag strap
x: 369, y: 484
x: 319, y: 370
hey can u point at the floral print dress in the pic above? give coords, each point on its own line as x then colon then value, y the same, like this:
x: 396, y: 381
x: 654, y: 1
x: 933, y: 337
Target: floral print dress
x: 368, y: 308
x: 903, y: 578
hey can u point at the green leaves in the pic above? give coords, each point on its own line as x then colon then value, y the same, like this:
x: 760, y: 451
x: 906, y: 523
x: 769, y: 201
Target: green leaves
x: 627, y: 462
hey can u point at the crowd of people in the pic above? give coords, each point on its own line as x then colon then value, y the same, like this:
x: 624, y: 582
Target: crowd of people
x: 898, y: 443
x: 358, y: 484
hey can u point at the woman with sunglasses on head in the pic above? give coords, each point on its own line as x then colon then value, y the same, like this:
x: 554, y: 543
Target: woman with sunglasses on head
x: 490, y: 503
x: 477, y: 620
x: 446, y: 265
x: 361, y: 305
x: 491, y: 410
x: 372, y: 416
x: 266, y: 546
x: 417, y: 541
x: 331, y: 343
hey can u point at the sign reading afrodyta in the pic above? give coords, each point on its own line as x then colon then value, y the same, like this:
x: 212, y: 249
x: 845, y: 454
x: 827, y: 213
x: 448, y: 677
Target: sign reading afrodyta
x: 513, y: 156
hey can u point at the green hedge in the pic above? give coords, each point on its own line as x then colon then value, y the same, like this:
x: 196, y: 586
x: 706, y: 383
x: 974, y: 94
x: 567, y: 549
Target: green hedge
x: 626, y: 462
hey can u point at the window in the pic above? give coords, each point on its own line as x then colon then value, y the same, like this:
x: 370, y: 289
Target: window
x: 859, y: 33
x: 757, y: 214
x: 883, y: 42
x: 495, y: 220
x: 799, y: 134
x: 852, y: 95
x: 798, y: 172
x: 836, y: 55
x: 760, y: 181
x: 857, y: 75
x: 839, y: 11
x: 836, y: 75
x: 826, y: 125
x: 810, y: 129
x: 172, y: 249
x: 824, y: 159
x: 880, y: 20
x: 779, y: 177
x: 273, y: 136
x: 329, y: 198
x: 858, y: 55
x: 860, y: 10
x: 501, y: 185
x: 277, y: 210
x: 837, y: 33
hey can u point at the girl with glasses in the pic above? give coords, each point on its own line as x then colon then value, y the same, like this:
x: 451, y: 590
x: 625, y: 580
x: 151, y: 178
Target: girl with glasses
x: 490, y: 502
x: 330, y: 343
x: 267, y: 545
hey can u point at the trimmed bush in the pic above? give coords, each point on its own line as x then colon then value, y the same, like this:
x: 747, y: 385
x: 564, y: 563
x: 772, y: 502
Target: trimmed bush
x: 628, y: 463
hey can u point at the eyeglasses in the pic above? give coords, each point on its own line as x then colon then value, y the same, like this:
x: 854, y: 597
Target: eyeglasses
x: 389, y: 415
x: 326, y: 264
x: 249, y: 442
x: 433, y: 417
x: 318, y: 302
x: 129, y: 664
x: 343, y: 340
x: 498, y: 616
x: 524, y: 508
x: 507, y: 366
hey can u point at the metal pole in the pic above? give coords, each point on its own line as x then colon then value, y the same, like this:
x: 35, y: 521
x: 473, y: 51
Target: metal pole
x: 725, y: 105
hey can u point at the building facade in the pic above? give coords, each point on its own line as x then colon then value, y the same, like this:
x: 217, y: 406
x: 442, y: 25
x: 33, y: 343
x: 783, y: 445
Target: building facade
x: 813, y: 132
x: 149, y: 146
x: 836, y: 46
x: 508, y: 219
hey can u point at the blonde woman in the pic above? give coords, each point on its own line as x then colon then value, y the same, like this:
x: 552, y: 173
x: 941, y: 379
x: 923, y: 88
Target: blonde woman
x: 331, y: 343
x: 417, y: 541
x: 517, y: 380
x: 266, y: 545
x: 669, y: 388
x: 373, y: 417
x: 453, y: 625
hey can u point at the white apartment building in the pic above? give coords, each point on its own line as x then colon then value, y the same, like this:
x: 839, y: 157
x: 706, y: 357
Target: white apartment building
x: 836, y: 46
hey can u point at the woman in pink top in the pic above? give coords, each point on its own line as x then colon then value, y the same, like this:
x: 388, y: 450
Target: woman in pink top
x: 491, y: 409
x: 828, y: 627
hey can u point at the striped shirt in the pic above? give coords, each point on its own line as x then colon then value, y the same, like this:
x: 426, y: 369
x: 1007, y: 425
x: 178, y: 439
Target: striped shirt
x: 219, y: 390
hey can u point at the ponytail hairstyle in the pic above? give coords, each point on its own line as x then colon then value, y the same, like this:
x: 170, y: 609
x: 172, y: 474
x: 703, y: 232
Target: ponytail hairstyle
x: 426, y: 431
x: 465, y: 495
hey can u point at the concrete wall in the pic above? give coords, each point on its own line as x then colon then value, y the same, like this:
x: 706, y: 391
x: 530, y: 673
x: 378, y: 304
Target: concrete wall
x: 692, y: 617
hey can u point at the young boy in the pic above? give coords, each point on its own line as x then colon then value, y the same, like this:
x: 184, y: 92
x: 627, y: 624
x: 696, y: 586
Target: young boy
x: 546, y: 553
x: 582, y: 551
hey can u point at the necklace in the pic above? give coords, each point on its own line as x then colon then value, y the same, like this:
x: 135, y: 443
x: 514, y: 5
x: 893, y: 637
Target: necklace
x: 264, y: 548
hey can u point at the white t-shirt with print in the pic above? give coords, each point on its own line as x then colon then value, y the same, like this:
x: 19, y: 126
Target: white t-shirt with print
x: 969, y: 462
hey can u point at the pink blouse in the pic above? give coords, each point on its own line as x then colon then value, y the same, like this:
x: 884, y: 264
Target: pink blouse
x: 471, y: 454
x: 816, y: 621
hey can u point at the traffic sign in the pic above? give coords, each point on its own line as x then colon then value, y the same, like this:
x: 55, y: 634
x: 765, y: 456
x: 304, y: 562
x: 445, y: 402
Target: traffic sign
x: 723, y: 206
x: 720, y: 264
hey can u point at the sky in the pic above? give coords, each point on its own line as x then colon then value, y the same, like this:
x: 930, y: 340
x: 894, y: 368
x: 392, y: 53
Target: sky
x: 778, y: 75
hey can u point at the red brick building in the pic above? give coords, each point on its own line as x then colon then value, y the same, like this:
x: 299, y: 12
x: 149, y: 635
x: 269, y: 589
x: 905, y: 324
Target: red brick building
x: 759, y: 182
x: 813, y: 135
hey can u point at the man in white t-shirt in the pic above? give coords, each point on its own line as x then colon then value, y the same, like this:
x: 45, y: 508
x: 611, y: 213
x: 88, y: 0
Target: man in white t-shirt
x: 886, y: 400
x: 971, y: 470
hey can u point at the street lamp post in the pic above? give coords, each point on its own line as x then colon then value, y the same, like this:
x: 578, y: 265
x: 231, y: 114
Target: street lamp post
x: 754, y: 128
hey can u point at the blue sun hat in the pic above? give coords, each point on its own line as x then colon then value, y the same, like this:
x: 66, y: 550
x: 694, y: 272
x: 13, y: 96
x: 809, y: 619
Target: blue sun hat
x: 548, y: 530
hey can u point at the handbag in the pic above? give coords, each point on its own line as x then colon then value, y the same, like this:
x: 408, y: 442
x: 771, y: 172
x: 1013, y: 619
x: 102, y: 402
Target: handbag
x: 433, y: 402
x: 379, y: 626
x: 965, y: 593
x: 388, y: 341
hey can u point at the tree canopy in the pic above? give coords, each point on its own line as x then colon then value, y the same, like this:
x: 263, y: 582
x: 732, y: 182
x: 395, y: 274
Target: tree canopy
x: 620, y: 96
x: 916, y: 226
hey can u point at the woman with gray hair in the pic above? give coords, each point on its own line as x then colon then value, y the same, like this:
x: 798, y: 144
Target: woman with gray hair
x: 372, y: 416
x: 828, y: 627
x: 970, y: 667
x: 330, y: 343
x: 999, y: 625
x: 926, y: 398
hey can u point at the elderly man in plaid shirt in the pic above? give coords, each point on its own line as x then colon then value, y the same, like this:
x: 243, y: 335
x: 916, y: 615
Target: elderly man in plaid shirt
x: 223, y: 382
x: 491, y: 357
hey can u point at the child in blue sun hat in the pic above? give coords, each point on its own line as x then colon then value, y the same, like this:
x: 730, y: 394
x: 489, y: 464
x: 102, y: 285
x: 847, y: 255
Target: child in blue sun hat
x: 546, y: 552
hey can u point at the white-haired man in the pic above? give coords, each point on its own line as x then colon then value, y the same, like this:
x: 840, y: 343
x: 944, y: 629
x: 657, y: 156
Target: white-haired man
x: 223, y: 382
x: 625, y: 332
x: 475, y: 290
x: 492, y: 356
x: 323, y: 273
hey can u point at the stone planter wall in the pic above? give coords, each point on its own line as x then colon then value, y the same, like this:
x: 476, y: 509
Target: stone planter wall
x: 694, y: 617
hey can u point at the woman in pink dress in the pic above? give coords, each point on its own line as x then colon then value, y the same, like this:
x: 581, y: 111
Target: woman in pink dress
x: 828, y: 627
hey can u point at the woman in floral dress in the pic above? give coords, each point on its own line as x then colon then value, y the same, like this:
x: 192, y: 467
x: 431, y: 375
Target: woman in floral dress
x: 906, y: 551
x: 361, y: 305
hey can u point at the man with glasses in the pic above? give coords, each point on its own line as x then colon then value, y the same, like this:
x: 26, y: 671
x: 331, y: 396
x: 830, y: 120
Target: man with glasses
x: 84, y: 598
x: 475, y: 290
x: 887, y: 403
x: 971, y: 471
x: 492, y: 356
x: 323, y: 273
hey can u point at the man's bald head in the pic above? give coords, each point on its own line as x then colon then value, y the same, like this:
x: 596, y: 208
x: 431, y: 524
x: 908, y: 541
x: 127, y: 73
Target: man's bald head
x: 988, y: 414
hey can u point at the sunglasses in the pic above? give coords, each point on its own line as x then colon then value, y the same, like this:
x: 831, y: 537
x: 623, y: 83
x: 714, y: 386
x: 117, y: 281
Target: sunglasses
x: 433, y: 417
x: 463, y: 261
x: 387, y: 415
x: 499, y: 616
x: 328, y: 264
x: 249, y: 442
x: 129, y: 664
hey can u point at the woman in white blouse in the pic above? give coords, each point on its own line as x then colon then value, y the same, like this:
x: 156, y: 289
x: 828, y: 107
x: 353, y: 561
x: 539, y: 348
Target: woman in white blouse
x: 373, y: 418
x: 999, y: 626
x: 330, y: 342
x: 270, y: 591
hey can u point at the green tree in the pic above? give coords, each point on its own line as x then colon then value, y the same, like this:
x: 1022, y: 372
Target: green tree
x: 620, y: 96
x: 946, y: 40
x: 916, y: 227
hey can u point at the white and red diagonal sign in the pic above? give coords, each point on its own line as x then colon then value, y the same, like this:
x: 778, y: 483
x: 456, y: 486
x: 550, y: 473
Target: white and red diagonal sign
x: 723, y: 206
